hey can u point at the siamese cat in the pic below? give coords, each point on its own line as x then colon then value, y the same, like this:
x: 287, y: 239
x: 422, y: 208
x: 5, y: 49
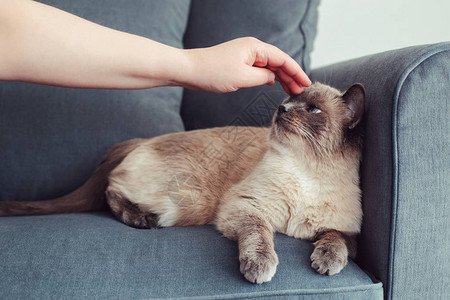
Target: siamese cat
x: 299, y: 177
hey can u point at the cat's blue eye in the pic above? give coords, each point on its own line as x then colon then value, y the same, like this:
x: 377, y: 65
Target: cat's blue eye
x: 314, y: 110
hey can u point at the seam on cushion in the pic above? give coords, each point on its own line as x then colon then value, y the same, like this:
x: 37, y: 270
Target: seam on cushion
x: 300, y: 27
x: 362, y: 288
x: 186, y: 27
x: 436, y: 49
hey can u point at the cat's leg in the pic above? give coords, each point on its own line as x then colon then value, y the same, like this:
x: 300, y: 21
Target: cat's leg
x: 130, y: 213
x: 331, y: 251
x: 257, y: 257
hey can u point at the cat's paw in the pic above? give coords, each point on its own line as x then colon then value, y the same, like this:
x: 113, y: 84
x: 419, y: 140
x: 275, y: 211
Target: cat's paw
x: 329, y: 259
x: 259, y: 267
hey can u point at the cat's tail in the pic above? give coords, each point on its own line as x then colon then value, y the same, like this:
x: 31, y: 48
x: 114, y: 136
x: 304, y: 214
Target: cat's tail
x: 89, y: 197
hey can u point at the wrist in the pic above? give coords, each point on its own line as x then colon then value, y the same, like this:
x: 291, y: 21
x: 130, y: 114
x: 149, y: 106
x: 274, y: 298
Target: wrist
x: 183, y: 68
x: 161, y: 64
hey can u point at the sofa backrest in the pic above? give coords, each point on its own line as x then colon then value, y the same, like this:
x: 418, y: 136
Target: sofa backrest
x: 52, y: 138
x: 288, y: 24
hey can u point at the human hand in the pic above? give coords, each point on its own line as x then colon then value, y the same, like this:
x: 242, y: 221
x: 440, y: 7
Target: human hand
x: 242, y: 62
x: 82, y: 54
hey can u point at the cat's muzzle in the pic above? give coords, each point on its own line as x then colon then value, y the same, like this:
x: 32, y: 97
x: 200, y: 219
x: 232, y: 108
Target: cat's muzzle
x: 281, y: 109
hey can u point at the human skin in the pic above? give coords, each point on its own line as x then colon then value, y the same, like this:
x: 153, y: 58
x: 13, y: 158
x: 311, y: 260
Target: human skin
x: 43, y: 44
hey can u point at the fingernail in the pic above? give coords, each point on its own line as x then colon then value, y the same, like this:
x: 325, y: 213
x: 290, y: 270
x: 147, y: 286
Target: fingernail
x: 271, y: 77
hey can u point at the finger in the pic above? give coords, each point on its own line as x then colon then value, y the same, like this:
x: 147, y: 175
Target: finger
x: 301, y: 78
x: 259, y: 76
x: 283, y: 85
x: 293, y: 86
x: 293, y: 70
x: 271, y: 56
x: 285, y: 88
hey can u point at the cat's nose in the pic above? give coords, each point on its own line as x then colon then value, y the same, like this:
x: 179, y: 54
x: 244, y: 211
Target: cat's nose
x: 282, y: 109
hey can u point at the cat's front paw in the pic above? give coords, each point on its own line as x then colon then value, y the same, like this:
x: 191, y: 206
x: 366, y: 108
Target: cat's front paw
x: 259, y: 267
x: 329, y: 259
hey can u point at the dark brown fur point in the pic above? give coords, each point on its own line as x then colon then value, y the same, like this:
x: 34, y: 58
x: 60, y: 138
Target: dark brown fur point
x: 89, y: 197
x: 247, y: 197
x: 331, y: 236
x: 257, y: 254
x: 130, y: 213
x: 248, y: 186
x: 314, y: 123
x: 320, y: 130
x: 213, y: 176
x: 331, y: 251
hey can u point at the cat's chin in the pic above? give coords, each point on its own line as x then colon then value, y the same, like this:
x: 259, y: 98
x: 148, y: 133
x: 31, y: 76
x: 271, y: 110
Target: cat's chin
x: 277, y: 134
x: 292, y: 142
x: 282, y: 135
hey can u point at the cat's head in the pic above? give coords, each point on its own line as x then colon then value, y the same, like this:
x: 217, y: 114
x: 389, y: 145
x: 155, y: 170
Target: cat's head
x: 321, y: 119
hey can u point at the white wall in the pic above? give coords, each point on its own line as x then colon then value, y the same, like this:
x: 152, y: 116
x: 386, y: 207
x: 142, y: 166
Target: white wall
x: 354, y: 28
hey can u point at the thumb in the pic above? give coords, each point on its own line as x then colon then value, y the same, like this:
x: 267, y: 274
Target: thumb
x: 259, y: 76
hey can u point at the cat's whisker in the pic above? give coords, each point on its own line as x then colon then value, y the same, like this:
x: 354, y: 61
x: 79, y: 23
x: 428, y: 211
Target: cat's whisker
x: 309, y: 140
x: 249, y: 182
x: 315, y: 144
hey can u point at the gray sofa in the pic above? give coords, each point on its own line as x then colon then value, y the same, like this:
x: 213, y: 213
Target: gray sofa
x: 51, y: 139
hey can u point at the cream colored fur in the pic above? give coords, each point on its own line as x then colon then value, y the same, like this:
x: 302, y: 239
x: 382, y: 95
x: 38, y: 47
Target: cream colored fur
x: 296, y: 197
x: 142, y: 177
x: 252, y: 182
x: 299, y: 177
x: 183, y: 187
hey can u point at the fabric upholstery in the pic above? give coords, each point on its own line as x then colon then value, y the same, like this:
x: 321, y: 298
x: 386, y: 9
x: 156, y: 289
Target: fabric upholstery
x: 93, y: 256
x: 287, y: 24
x: 405, y: 240
x: 52, y: 138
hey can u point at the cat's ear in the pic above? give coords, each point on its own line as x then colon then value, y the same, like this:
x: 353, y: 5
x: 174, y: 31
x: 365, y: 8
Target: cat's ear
x: 354, y: 98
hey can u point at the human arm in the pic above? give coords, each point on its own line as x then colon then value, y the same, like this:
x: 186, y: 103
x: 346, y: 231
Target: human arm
x: 42, y: 44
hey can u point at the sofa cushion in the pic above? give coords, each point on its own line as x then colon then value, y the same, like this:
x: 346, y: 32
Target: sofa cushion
x: 288, y: 24
x: 51, y: 138
x: 93, y: 256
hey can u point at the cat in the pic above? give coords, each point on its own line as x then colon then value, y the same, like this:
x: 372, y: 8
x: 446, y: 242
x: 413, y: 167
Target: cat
x: 299, y: 177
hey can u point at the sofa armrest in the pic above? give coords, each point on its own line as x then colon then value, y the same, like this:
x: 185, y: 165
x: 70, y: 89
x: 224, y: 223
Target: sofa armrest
x: 405, y: 173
